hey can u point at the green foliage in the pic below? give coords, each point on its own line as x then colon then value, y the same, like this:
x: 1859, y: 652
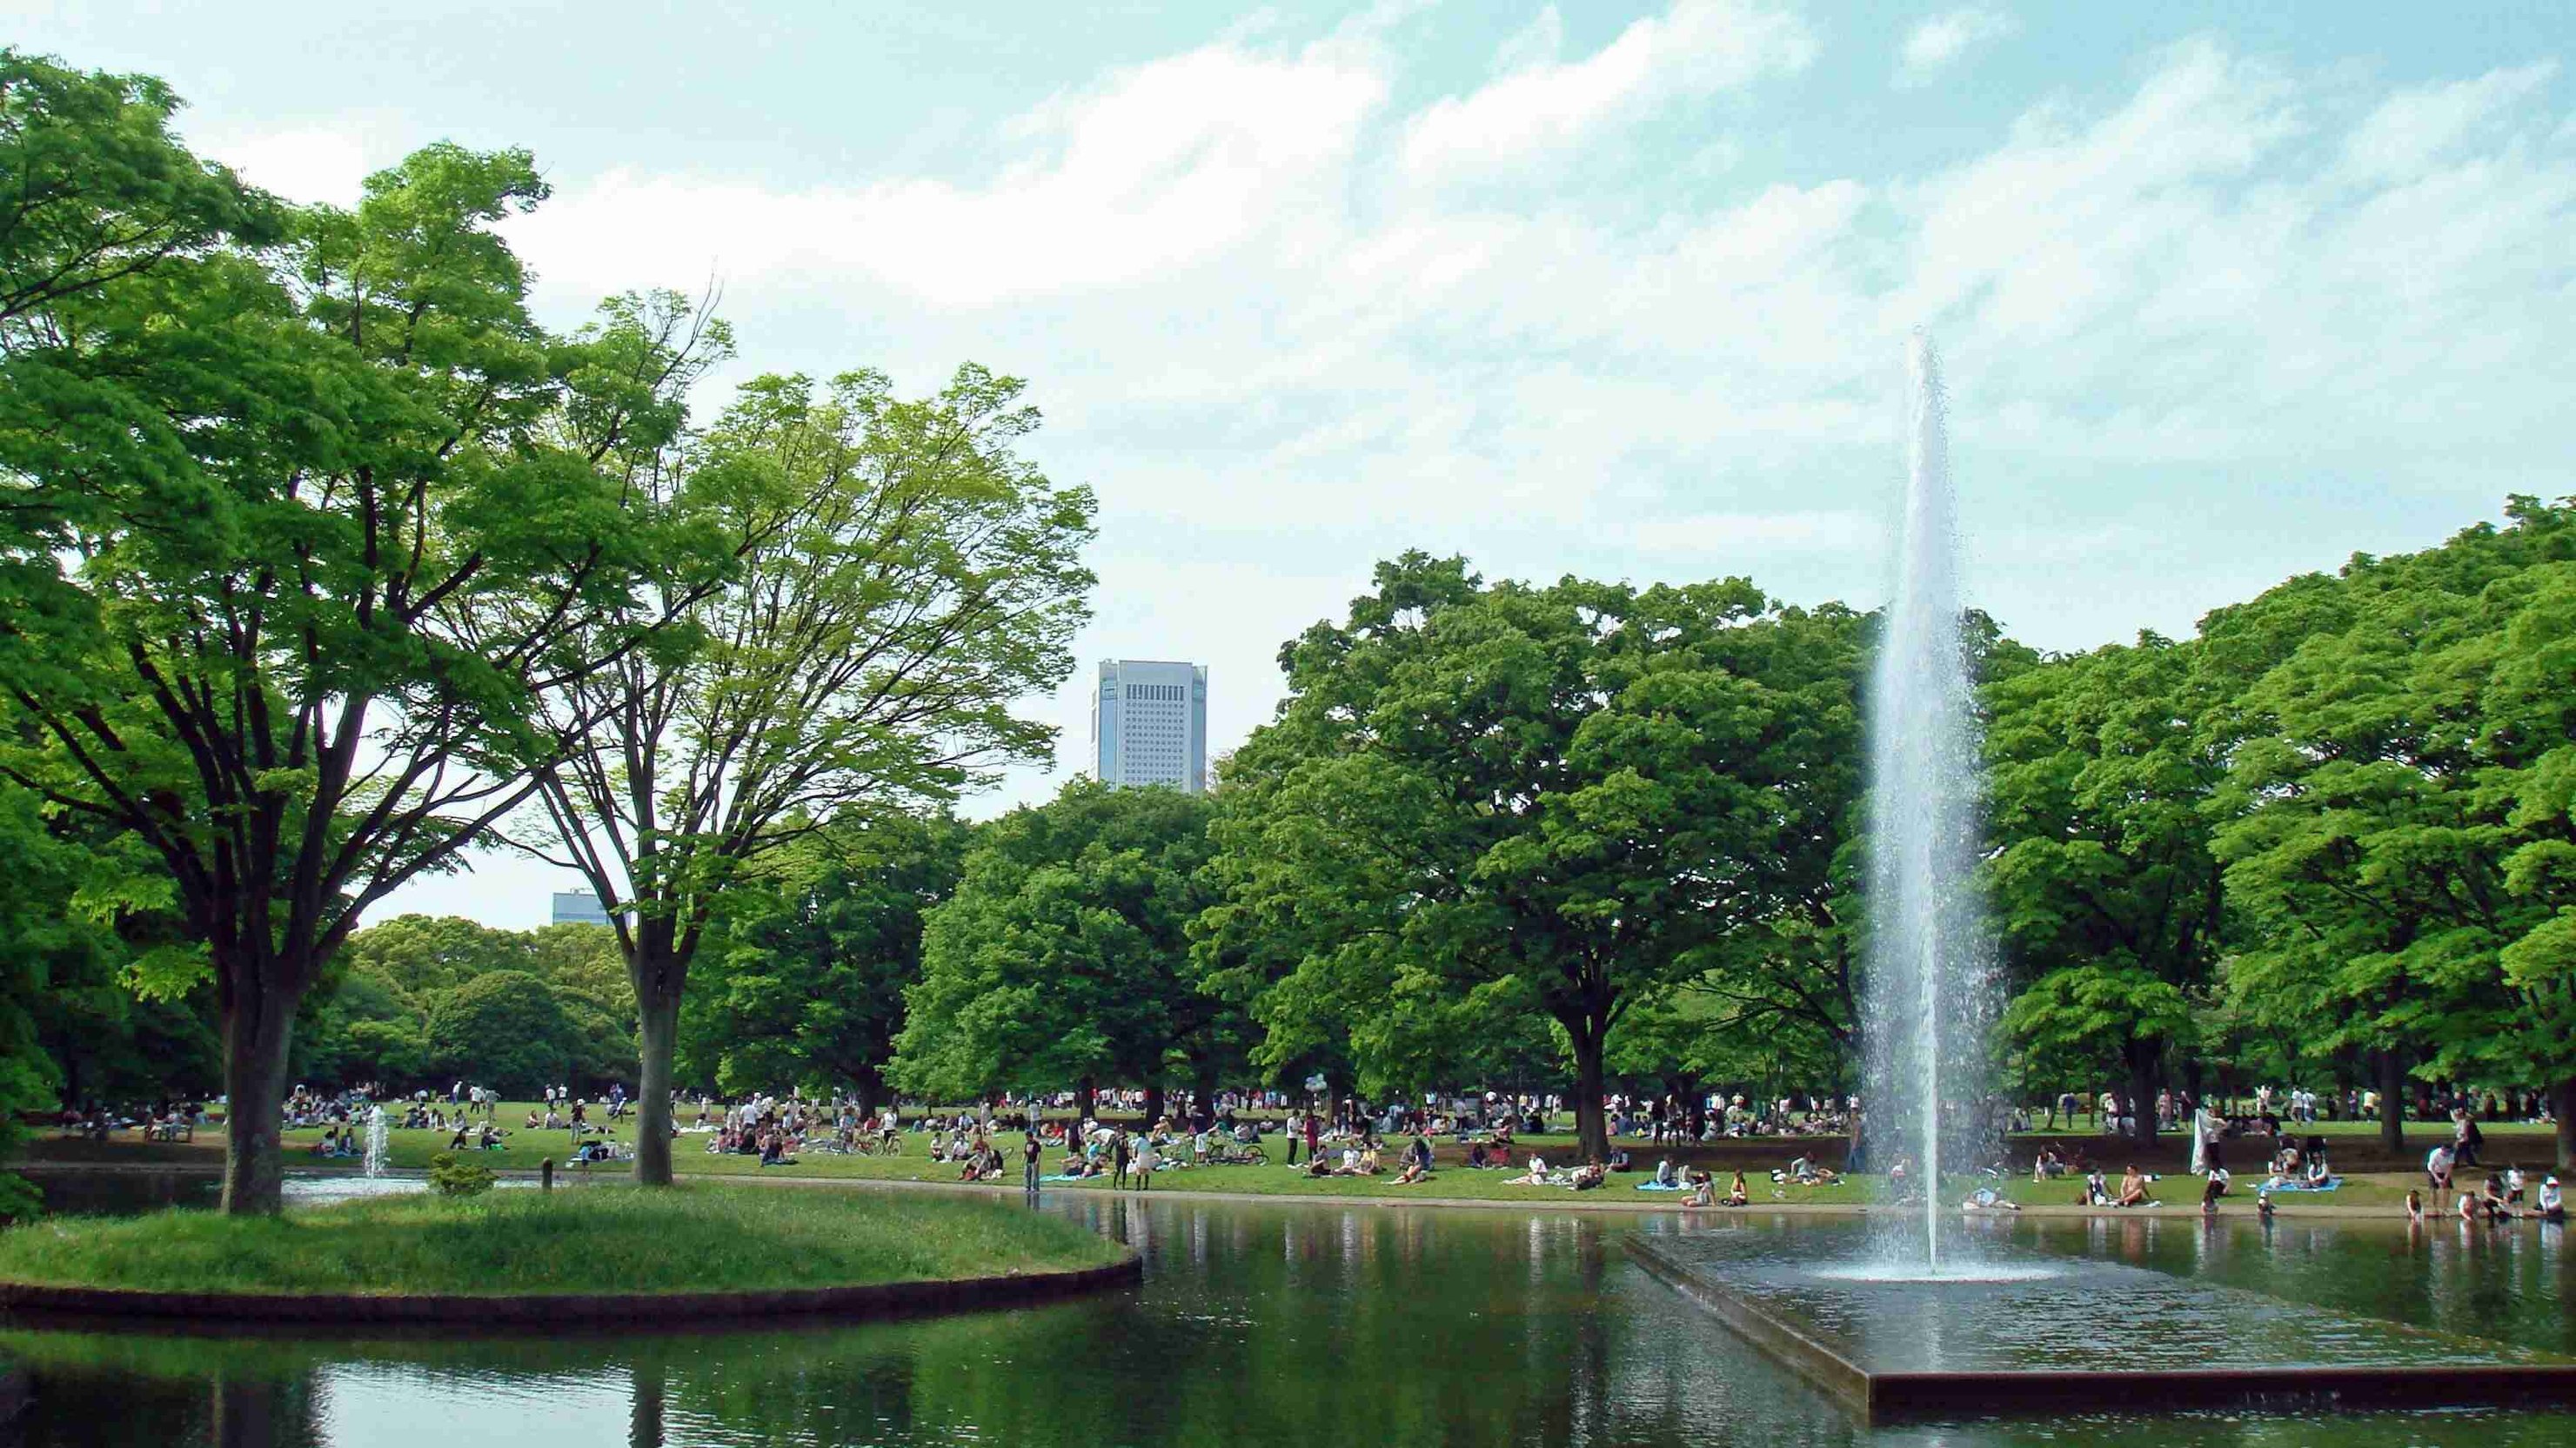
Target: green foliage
x: 1571, y: 796
x: 1064, y: 956
x: 2100, y: 776
x: 451, y: 1175
x: 505, y: 1029
x: 901, y: 580
x: 2398, y: 828
x: 802, y: 982
x: 701, y: 1238
x: 303, y: 511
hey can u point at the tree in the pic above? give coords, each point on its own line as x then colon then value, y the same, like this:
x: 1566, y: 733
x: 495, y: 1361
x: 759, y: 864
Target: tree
x: 1567, y: 795
x: 806, y: 969
x: 505, y: 1029
x: 1063, y: 958
x: 306, y: 526
x: 2399, y: 832
x: 2108, y: 900
x: 903, y: 578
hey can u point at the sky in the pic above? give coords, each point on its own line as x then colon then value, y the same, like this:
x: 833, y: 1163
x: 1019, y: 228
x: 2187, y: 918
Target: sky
x: 2225, y: 293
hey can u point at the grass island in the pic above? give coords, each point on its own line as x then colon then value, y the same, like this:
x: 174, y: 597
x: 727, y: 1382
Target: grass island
x: 597, y: 1253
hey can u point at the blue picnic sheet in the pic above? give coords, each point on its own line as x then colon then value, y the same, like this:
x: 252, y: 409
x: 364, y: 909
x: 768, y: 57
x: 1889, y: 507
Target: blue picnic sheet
x: 1661, y: 1187
x: 2278, y: 1184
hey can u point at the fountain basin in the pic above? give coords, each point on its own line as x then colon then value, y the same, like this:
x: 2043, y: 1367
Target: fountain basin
x: 2025, y: 1336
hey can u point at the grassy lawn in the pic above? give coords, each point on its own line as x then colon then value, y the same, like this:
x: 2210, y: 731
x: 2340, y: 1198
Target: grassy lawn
x: 698, y: 1238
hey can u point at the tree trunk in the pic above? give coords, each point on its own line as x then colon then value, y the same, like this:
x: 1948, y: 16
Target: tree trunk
x: 1694, y: 1105
x: 2562, y: 1105
x: 1086, y: 1100
x: 660, y: 1029
x: 1153, y: 1103
x: 2392, y: 1101
x: 259, y: 1026
x: 1591, y: 1127
x: 2142, y: 1091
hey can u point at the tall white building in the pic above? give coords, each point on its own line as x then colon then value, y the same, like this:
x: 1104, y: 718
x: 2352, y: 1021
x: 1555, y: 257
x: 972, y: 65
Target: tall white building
x: 1149, y: 724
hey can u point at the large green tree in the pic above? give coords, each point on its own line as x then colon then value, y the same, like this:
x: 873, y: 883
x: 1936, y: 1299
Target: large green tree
x: 1063, y: 958
x: 802, y: 982
x: 2100, y: 779
x: 904, y: 579
x: 1567, y: 795
x: 2399, y: 835
x: 302, y: 529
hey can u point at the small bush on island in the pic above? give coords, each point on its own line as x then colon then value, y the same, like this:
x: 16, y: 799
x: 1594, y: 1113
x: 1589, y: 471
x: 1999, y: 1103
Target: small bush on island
x: 451, y: 1175
x: 603, y: 1239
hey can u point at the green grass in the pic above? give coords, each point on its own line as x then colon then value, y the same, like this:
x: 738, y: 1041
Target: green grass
x: 690, y: 1239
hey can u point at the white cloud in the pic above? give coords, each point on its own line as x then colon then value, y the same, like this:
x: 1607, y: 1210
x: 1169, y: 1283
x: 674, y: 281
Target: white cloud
x: 2415, y: 128
x: 1541, y: 108
x: 1939, y: 40
x: 307, y: 165
x: 1281, y: 346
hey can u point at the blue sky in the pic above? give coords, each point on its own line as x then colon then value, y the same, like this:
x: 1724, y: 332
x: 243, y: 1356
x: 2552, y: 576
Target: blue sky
x: 2226, y: 292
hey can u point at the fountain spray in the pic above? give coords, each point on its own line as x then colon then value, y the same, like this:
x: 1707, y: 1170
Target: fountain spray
x: 1927, y: 999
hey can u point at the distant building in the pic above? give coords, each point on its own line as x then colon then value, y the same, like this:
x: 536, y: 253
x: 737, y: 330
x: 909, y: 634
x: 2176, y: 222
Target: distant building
x: 1149, y: 724
x: 579, y: 907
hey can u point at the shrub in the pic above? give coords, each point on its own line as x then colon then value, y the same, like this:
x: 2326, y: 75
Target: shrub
x: 451, y: 1175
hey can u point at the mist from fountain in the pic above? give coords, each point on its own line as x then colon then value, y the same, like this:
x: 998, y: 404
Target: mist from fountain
x: 1929, y: 992
x: 374, y: 1164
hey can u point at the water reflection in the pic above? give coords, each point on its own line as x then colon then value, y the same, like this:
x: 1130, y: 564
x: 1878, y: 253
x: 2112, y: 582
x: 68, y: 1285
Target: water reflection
x: 1256, y: 1325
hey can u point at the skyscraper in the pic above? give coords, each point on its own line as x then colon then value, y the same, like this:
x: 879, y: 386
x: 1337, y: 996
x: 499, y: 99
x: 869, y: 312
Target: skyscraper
x: 1149, y: 724
x: 579, y: 907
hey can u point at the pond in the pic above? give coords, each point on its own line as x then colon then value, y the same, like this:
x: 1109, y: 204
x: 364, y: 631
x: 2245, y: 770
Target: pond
x: 1293, y: 1324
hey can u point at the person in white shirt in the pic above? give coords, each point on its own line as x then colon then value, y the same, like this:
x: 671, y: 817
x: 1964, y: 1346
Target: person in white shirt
x: 2551, y: 1206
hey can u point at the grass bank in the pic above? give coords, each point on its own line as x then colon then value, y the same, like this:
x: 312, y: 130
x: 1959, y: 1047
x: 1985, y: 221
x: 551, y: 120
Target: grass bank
x: 694, y: 1238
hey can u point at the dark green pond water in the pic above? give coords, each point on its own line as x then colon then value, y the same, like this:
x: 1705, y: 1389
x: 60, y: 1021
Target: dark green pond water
x: 1294, y: 1324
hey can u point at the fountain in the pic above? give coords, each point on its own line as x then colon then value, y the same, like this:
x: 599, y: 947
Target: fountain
x: 374, y: 1165
x: 1927, y: 1002
x: 1911, y: 1315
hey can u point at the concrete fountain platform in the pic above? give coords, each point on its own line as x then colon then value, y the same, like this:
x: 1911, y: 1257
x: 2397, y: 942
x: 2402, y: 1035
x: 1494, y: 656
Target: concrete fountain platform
x: 2088, y: 1337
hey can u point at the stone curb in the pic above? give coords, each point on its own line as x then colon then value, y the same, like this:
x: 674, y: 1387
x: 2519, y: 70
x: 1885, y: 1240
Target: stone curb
x: 640, y: 1310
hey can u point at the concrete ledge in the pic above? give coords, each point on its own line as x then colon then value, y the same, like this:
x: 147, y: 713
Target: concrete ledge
x: 643, y: 1311
x: 1884, y: 1397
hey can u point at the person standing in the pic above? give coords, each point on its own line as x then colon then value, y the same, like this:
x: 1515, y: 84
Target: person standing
x: 1029, y: 1161
x: 1314, y: 1134
x: 1118, y: 1159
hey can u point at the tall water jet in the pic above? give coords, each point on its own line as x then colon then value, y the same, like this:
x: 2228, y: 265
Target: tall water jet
x: 1928, y: 995
x: 373, y: 1164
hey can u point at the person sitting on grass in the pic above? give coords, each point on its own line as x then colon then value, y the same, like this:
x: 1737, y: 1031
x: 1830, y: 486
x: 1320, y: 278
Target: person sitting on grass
x: 458, y: 1141
x: 1536, y: 1176
x: 1319, y: 1166
x: 2049, y: 1164
x: 2133, y: 1189
x: 1589, y: 1175
x: 773, y: 1151
x: 1703, y: 1189
x: 1416, y: 1169
x: 1987, y: 1199
x: 1417, y: 1156
x: 1737, y: 1193
x: 1665, y: 1175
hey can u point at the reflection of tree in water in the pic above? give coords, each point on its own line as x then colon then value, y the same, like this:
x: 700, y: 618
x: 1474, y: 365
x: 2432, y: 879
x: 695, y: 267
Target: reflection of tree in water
x: 256, y: 1410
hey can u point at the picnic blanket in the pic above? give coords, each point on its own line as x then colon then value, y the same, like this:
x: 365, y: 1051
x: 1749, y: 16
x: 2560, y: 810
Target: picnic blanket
x: 2278, y: 1184
x: 1661, y: 1187
x: 1063, y: 1177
